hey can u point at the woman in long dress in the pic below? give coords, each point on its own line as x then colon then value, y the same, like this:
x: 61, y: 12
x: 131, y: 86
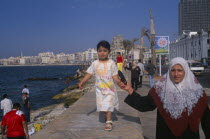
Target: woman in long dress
x: 180, y: 100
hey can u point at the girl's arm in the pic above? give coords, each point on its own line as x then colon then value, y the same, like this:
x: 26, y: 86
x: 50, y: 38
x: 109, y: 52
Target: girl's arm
x: 116, y: 79
x: 87, y: 76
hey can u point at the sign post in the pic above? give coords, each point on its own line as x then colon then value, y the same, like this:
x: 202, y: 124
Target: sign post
x: 161, y: 47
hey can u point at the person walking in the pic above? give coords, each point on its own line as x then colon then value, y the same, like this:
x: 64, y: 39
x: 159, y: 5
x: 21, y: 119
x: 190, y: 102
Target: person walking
x: 26, y: 106
x: 151, y: 71
x: 105, y: 72
x: 25, y: 89
x: 141, y: 66
x: 135, y: 72
x: 119, y: 61
x: 181, y: 102
x: 15, y: 124
x: 6, y: 104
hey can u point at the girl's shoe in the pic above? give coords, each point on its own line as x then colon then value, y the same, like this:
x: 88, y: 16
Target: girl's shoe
x: 108, y: 126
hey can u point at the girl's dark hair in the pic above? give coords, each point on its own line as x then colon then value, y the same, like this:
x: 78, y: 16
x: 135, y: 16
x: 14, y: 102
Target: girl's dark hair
x: 104, y: 44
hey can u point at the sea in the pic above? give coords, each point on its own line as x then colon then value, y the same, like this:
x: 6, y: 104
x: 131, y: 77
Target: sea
x: 13, y: 78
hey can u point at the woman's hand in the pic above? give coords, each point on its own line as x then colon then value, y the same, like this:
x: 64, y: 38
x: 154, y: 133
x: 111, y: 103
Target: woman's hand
x: 126, y: 87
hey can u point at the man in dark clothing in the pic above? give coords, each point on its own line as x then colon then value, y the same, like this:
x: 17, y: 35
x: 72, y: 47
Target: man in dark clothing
x: 151, y: 71
x: 135, y: 71
x: 26, y: 107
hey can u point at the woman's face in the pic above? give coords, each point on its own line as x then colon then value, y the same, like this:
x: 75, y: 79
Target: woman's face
x: 177, y: 73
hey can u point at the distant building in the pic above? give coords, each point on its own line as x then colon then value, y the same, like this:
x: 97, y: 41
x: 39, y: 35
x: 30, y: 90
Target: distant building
x: 71, y: 58
x: 117, y: 46
x: 46, y: 54
x: 90, y: 54
x: 45, y: 59
x: 117, y: 42
x: 191, y: 46
x: 194, y: 15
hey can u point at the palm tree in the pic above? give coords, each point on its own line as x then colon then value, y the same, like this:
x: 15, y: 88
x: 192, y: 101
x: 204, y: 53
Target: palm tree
x: 144, y: 32
x: 127, y: 46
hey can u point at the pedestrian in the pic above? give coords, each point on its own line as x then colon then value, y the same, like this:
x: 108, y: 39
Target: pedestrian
x: 135, y: 72
x: 15, y: 124
x: 125, y: 64
x: 26, y: 106
x: 128, y: 65
x: 151, y: 71
x: 141, y: 66
x: 25, y: 89
x: 119, y: 61
x: 105, y: 72
x: 180, y: 100
x: 6, y: 104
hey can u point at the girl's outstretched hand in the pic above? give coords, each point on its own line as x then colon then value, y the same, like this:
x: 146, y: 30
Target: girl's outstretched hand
x: 126, y: 87
x: 80, y: 85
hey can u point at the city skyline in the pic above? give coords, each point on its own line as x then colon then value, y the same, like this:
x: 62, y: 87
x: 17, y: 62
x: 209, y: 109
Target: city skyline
x: 74, y: 26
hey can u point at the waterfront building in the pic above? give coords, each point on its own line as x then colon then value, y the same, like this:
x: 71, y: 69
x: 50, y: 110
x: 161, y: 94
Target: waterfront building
x: 13, y: 61
x: 194, y: 15
x: 62, y: 58
x: 46, y: 54
x: 117, y: 42
x: 191, y: 46
x: 117, y: 46
x: 45, y: 59
x: 35, y: 60
x: 90, y: 55
x: 71, y: 58
x: 78, y: 58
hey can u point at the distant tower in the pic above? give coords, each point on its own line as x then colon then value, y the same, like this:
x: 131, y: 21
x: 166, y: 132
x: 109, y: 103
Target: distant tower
x: 152, y: 32
x: 21, y: 54
x: 194, y: 15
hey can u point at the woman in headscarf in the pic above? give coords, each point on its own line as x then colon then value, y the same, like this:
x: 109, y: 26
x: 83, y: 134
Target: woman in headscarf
x: 180, y: 101
x: 135, y: 71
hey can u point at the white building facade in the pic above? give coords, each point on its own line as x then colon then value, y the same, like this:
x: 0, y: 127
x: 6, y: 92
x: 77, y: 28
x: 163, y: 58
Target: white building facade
x: 191, y: 46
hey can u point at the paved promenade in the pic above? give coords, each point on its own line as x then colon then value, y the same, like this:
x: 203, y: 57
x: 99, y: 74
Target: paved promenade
x: 82, y: 121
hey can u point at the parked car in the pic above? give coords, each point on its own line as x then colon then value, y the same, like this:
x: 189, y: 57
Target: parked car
x: 196, y: 67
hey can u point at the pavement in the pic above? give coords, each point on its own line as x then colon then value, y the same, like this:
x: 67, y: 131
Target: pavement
x: 82, y: 121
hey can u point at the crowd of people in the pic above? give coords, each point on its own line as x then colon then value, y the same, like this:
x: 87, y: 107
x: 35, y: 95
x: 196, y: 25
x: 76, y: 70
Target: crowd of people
x: 14, y: 121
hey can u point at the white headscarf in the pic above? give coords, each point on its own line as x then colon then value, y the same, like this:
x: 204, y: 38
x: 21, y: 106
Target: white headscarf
x: 134, y: 65
x: 177, y: 98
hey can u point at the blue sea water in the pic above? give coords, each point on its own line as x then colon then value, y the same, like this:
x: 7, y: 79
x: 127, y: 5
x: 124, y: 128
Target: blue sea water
x: 12, y: 80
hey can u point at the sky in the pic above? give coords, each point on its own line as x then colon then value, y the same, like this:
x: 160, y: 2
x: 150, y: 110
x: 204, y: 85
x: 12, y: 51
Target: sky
x: 69, y: 26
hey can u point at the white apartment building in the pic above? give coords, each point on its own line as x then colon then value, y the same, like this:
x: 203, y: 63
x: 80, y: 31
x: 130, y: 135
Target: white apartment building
x: 46, y: 54
x: 191, y: 46
x: 71, y: 58
x: 62, y: 58
x: 90, y: 54
x: 45, y: 59
x: 78, y: 57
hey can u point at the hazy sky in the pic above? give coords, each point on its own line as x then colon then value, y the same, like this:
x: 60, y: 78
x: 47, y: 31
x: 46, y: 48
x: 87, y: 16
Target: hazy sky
x: 34, y: 26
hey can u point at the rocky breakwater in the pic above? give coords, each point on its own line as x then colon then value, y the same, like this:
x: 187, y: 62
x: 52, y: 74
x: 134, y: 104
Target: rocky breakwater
x: 45, y: 115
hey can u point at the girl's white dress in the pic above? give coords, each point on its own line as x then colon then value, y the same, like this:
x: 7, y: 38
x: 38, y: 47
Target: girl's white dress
x: 106, y: 94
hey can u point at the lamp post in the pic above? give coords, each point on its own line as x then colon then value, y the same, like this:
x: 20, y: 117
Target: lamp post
x: 186, y: 54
